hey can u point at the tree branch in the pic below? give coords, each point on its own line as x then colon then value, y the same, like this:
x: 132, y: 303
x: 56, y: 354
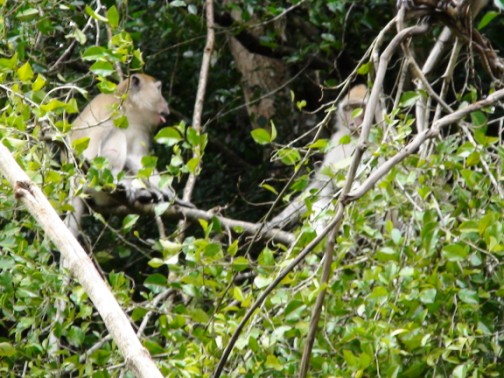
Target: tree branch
x: 80, y: 265
x: 198, y: 106
x: 274, y: 234
x: 369, y: 114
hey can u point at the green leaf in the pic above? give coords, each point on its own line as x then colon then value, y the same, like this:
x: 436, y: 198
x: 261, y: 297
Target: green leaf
x: 170, y: 248
x: 155, y: 262
x: 102, y: 68
x: 428, y: 295
x: 269, y: 188
x: 95, y: 53
x: 193, y: 137
x: 120, y: 122
x: 113, y: 16
x: 272, y: 362
x: 478, y: 118
x: 39, y: 83
x: 289, y: 156
x: 233, y: 248
x: 262, y: 281
x: 80, y: 145
x: 320, y: 144
x: 9, y: 64
x: 487, y: 18
x: 363, y: 69
x: 25, y: 72
x: 193, y: 165
x: 468, y: 296
x: 460, y: 371
x: 94, y: 15
x: 345, y: 139
x: 78, y: 35
x: 27, y: 14
x: 75, y: 336
x: 168, y: 136
x: 240, y: 263
x: 408, y: 99
x: 238, y: 294
x: 200, y: 316
x: 155, y: 279
x: 396, y: 236
x: 350, y: 358
x: 455, y: 252
x: 177, y: 3
x: 161, y: 208
x: 129, y: 221
x: 261, y: 136
x: 7, y: 350
x: 301, y: 104
x: 266, y: 258
x: 273, y: 131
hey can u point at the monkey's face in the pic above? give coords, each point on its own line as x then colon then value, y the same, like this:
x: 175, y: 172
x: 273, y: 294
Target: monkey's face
x: 351, y: 116
x: 351, y: 109
x: 145, y: 94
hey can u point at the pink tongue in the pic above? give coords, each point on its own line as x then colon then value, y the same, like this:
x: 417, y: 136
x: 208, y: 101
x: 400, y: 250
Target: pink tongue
x: 162, y: 119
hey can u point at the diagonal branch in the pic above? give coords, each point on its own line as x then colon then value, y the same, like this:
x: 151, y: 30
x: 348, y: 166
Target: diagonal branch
x: 355, y: 195
x: 80, y: 265
x: 359, y: 152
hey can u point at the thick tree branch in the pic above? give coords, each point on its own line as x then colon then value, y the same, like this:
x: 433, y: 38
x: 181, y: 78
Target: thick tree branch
x: 80, y: 265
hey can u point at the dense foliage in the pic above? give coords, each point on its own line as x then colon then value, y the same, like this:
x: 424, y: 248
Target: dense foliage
x: 417, y: 281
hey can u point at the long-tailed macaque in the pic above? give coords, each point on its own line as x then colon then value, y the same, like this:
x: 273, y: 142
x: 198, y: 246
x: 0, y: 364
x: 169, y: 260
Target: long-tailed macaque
x: 322, y: 184
x: 140, y: 100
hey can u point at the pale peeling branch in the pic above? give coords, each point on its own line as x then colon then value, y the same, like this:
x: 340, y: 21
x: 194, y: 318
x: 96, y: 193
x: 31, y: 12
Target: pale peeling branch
x: 80, y: 265
x: 191, y: 214
x: 202, y: 84
x: 198, y: 106
x: 354, y: 195
x: 454, y: 117
x: 367, y: 122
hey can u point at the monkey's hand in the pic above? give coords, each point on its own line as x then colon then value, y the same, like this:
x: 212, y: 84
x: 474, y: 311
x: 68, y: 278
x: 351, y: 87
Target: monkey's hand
x: 149, y: 195
x: 170, y: 196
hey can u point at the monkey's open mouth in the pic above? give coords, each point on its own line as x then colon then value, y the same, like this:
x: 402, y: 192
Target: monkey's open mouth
x: 162, y: 116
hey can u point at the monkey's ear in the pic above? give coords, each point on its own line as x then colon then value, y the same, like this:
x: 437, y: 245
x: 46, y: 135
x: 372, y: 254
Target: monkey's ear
x: 135, y: 81
x: 159, y: 85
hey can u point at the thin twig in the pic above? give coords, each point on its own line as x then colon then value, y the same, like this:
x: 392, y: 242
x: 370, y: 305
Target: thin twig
x: 70, y: 47
x: 198, y: 105
x: 271, y: 287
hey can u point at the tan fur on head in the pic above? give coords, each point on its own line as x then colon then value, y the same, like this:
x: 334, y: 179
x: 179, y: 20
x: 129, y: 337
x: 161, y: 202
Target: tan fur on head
x: 144, y: 107
x: 356, y: 98
x: 140, y: 100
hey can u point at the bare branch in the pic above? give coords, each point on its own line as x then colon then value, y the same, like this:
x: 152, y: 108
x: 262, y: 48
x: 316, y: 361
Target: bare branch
x: 359, y: 151
x: 198, y: 106
x: 420, y: 138
x: 80, y: 265
x: 256, y: 229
